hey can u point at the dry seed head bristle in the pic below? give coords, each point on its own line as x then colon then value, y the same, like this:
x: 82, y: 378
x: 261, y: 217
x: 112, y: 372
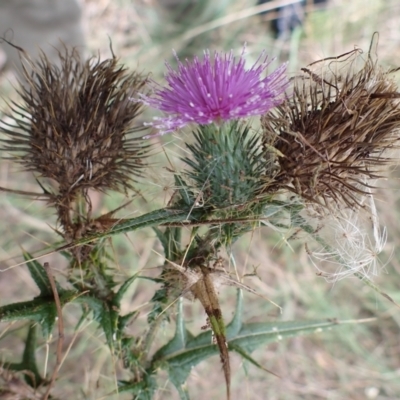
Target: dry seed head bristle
x: 332, y: 134
x: 353, y: 240
x: 75, y: 124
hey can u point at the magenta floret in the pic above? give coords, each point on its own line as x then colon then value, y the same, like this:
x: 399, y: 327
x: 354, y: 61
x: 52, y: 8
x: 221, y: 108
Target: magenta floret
x: 214, y: 90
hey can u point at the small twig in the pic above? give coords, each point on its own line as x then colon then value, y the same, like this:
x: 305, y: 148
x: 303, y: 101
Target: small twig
x: 60, y: 340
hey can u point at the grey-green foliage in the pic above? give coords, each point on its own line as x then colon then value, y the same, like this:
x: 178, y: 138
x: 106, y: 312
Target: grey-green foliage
x: 184, y: 351
x: 178, y: 356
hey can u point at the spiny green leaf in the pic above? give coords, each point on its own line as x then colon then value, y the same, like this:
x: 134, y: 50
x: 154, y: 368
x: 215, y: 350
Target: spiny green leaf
x: 122, y: 290
x: 48, y: 321
x: 93, y: 303
x: 251, y: 336
x: 134, y: 388
x: 143, y: 390
x: 183, y: 352
x: 186, y: 194
x: 232, y: 329
x: 180, y: 363
x: 192, y: 349
x: 28, y: 362
x: 39, y: 275
x: 149, y: 278
x: 107, y: 322
x: 104, y: 314
x: 66, y: 255
x: 254, y: 335
x: 85, y: 313
x: 170, y: 240
x: 41, y: 310
x: 246, y: 356
x: 159, y: 298
x: 153, y: 218
x: 107, y: 313
x: 162, y: 237
x: 183, y: 391
x: 124, y: 320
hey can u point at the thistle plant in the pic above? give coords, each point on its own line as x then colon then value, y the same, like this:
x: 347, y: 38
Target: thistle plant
x: 311, y: 165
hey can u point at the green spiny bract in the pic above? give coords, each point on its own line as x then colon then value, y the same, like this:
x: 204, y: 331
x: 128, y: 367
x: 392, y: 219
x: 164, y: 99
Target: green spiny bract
x: 226, y: 177
x: 226, y: 166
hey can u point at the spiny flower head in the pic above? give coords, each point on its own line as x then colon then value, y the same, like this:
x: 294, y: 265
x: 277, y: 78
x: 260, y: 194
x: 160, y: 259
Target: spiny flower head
x: 216, y: 89
x: 76, y: 122
x: 330, y: 138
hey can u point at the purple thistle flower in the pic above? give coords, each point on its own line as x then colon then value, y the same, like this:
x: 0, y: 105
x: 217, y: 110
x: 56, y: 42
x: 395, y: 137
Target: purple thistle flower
x: 207, y: 91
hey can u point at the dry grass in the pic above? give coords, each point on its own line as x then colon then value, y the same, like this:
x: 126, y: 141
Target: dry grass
x: 360, y: 361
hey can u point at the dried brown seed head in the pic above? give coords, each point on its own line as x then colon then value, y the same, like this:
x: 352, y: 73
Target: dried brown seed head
x: 76, y: 122
x: 330, y: 138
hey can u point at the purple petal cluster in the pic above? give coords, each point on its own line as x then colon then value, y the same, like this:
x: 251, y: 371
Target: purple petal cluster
x: 215, y: 90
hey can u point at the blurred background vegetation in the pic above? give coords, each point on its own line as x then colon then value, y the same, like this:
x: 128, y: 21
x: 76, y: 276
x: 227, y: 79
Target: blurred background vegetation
x: 360, y: 361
